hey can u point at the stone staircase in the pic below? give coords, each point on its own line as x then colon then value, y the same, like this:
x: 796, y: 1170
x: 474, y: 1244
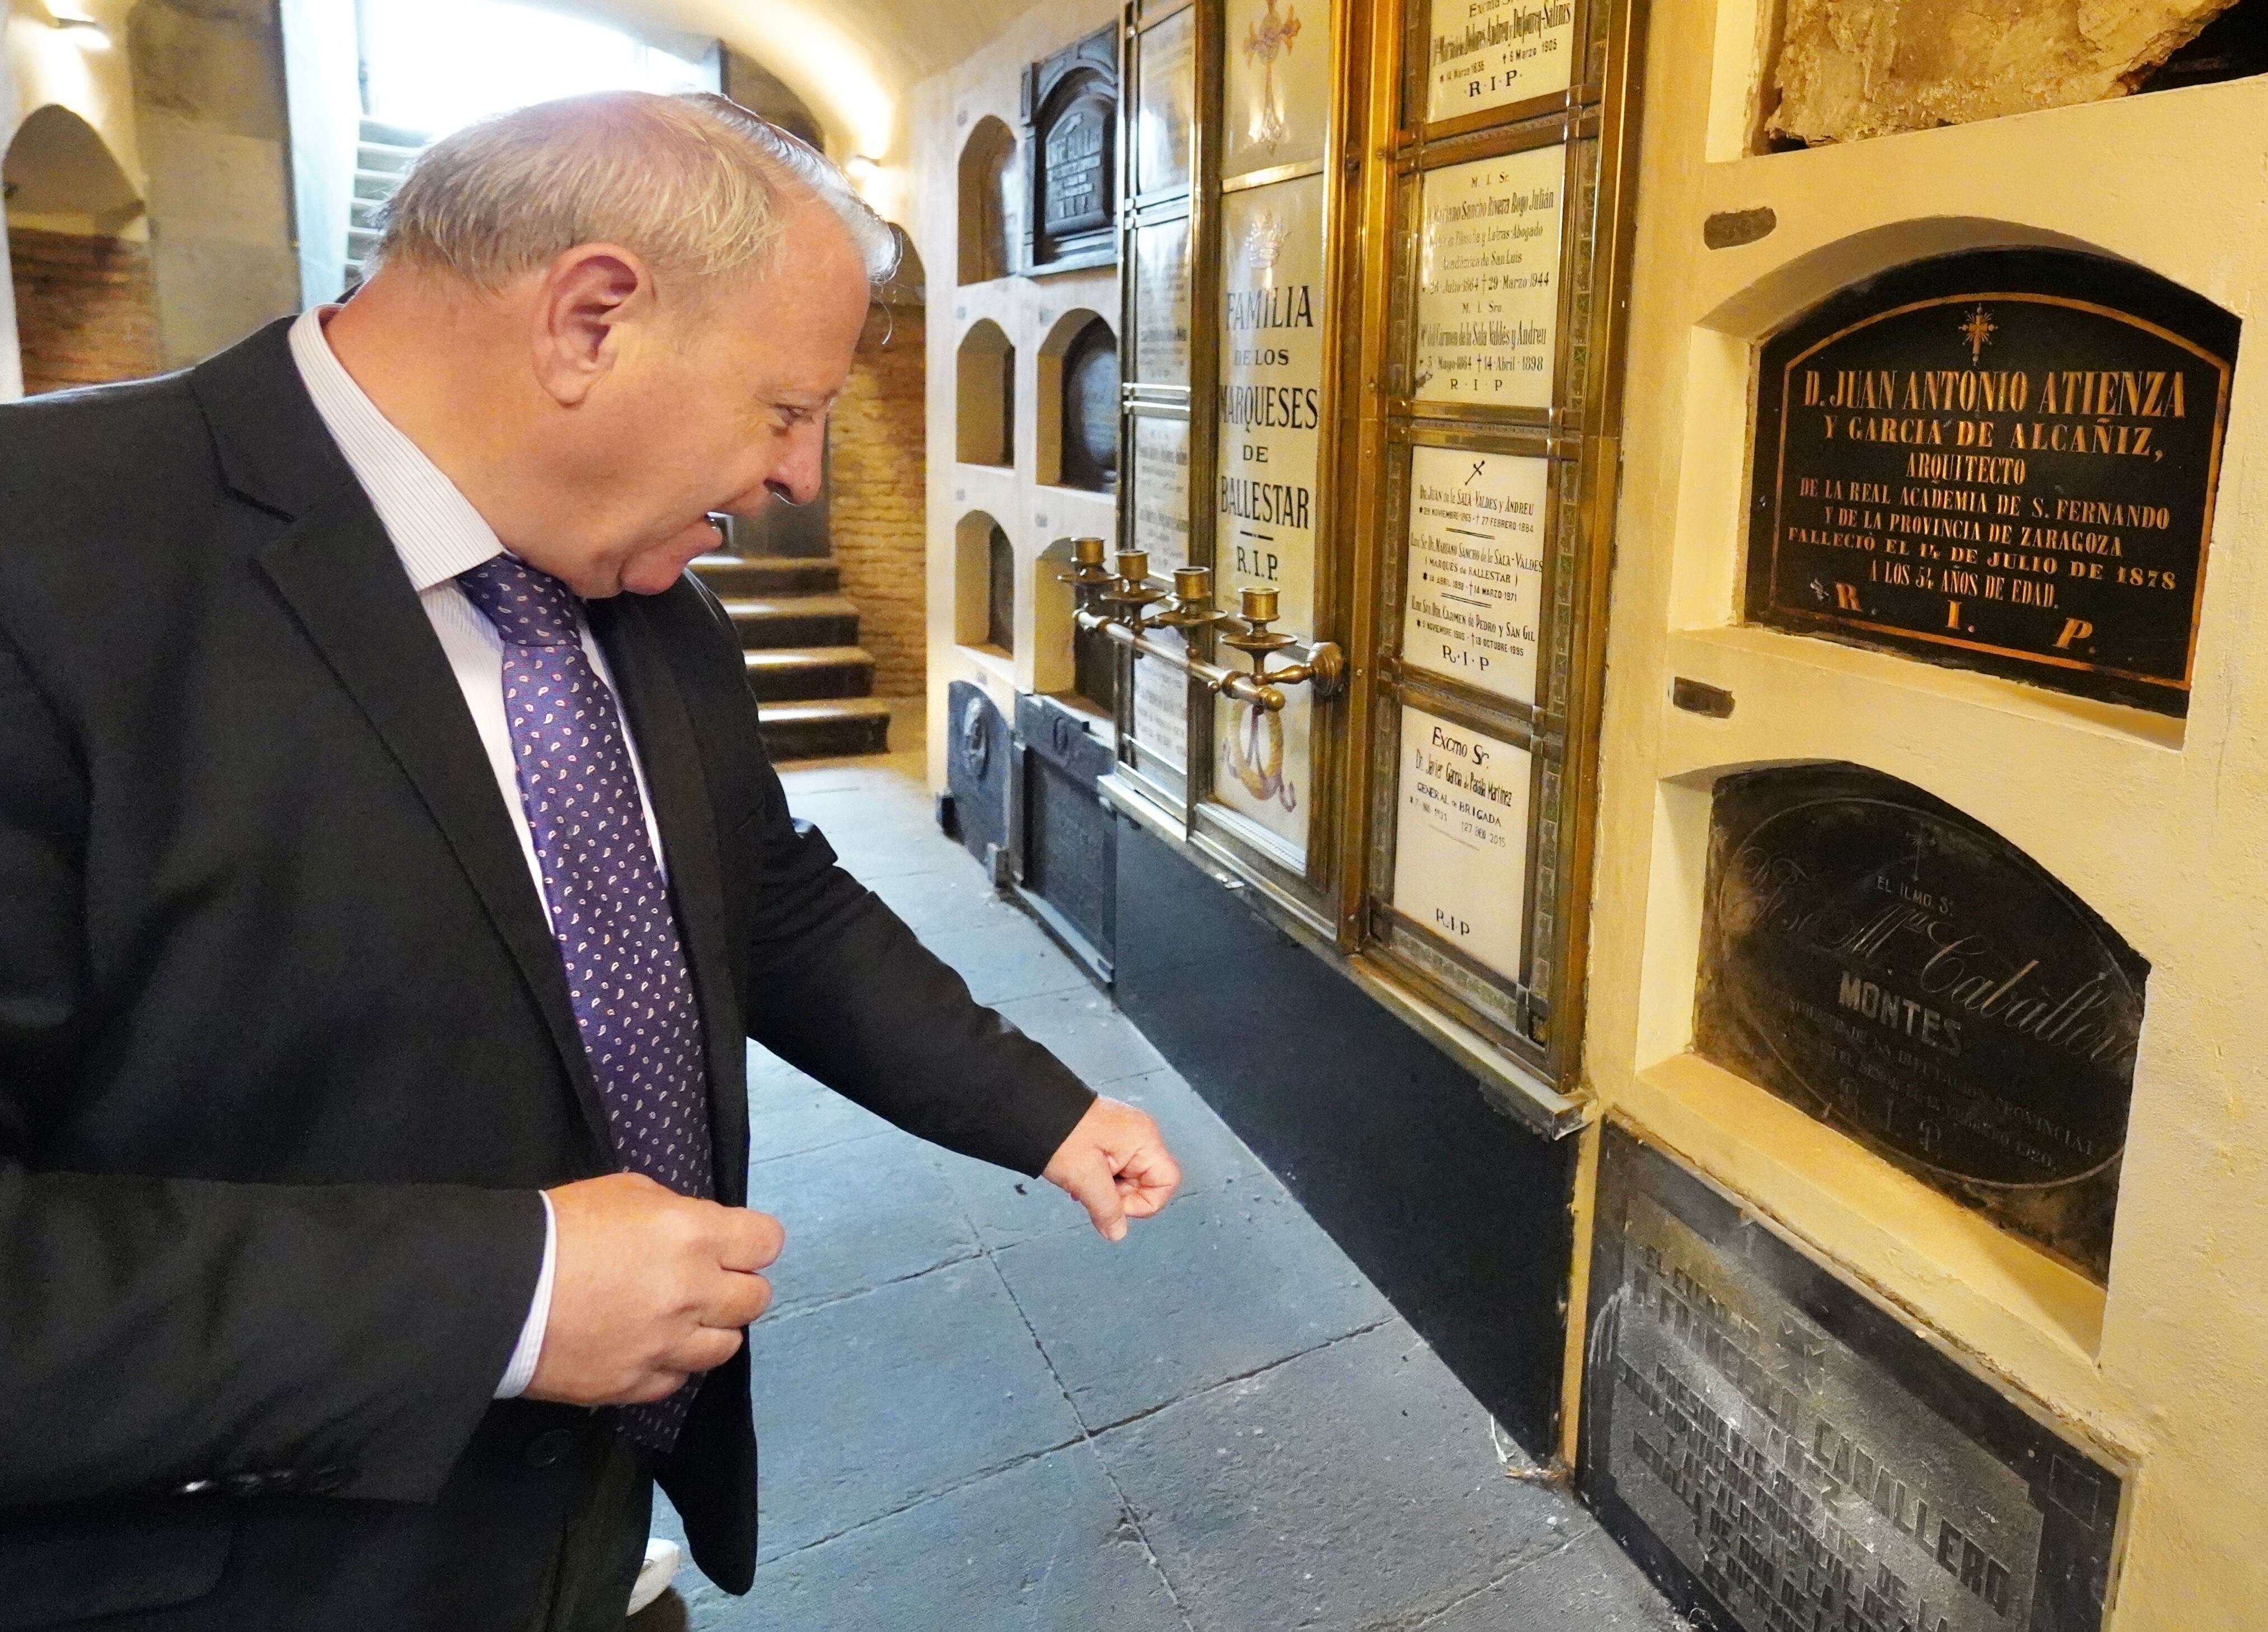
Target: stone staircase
x: 813, y: 682
x: 383, y: 155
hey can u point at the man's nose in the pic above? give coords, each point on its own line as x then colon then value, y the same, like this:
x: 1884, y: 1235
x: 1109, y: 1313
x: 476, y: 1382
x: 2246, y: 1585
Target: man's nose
x: 802, y: 464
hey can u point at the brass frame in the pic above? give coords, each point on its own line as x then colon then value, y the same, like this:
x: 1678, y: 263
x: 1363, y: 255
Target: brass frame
x: 1377, y: 150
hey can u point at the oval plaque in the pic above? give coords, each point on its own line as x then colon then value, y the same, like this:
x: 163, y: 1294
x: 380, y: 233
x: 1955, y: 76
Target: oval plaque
x: 1905, y: 974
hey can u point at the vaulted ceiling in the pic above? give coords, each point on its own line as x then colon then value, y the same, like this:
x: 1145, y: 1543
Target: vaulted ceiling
x: 851, y: 61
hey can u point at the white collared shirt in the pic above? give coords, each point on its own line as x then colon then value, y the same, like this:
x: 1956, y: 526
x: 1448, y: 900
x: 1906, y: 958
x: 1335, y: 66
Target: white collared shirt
x: 437, y: 534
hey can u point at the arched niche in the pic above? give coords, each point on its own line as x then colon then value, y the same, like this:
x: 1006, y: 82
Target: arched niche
x: 1066, y: 659
x: 85, y: 309
x: 1079, y: 403
x: 983, y: 584
x: 984, y: 396
x: 990, y: 220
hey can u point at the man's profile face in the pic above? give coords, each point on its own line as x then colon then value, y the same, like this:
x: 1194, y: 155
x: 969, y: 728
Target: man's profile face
x: 720, y: 404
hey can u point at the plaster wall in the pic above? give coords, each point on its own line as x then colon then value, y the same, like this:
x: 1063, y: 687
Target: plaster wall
x: 2162, y: 826
x: 941, y: 111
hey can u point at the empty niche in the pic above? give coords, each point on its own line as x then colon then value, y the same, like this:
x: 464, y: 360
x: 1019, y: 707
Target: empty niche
x: 984, y: 394
x: 985, y: 584
x: 991, y: 221
x: 84, y: 305
x: 1066, y: 659
x: 1078, y: 397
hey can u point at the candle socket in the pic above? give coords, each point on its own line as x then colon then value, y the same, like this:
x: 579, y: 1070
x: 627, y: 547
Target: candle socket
x: 1259, y: 604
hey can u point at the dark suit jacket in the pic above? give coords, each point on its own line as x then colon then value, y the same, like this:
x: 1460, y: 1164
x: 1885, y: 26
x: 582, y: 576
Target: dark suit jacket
x: 285, y: 1049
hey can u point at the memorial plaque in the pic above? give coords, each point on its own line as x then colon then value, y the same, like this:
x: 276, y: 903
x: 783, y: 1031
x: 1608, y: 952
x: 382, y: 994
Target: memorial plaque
x: 1783, y: 1455
x: 1070, y: 120
x: 1161, y: 303
x: 1162, y: 491
x: 1460, y: 838
x: 1161, y: 714
x: 1270, y: 409
x: 1275, y: 91
x: 1488, y: 280
x: 1473, y: 601
x: 2003, y: 460
x: 1489, y: 54
x: 977, y: 770
x: 1166, y: 111
x: 1907, y: 976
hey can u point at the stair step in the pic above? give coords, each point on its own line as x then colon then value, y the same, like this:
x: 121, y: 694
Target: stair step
x: 794, y: 620
x: 384, y: 156
x: 831, y: 730
x: 803, y: 674
x: 377, y: 131
x: 768, y: 576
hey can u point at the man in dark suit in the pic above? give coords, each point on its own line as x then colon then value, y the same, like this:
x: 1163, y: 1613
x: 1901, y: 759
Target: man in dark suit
x: 387, y: 898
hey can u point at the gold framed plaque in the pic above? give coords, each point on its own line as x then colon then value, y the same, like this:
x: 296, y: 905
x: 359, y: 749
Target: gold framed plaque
x: 1166, y: 109
x: 1460, y: 838
x: 1485, y: 54
x: 1488, y: 280
x: 1472, y: 592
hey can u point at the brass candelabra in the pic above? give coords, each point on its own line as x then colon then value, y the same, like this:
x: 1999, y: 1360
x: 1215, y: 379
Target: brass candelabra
x: 1131, y: 593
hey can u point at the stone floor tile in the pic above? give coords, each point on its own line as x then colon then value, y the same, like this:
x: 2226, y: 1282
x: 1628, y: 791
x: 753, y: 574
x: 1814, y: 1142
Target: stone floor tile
x: 1219, y: 1285
x: 1045, y: 1544
x: 1354, y: 1487
x: 867, y: 1404
x: 1209, y: 1153
x: 1003, y: 962
x: 1098, y: 1043
x: 1589, y: 1585
x: 788, y: 1122
x: 858, y: 1213
x: 1006, y: 1207
x: 955, y: 896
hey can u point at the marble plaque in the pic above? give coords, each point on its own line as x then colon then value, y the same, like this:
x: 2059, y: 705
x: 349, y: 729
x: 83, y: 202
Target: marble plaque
x: 1904, y: 973
x: 1161, y: 303
x: 1473, y: 604
x: 1486, y: 54
x: 1488, y: 280
x: 1070, y: 118
x: 1460, y: 838
x: 1160, y: 495
x: 1167, y: 109
x: 1270, y: 408
x: 1782, y: 1454
x: 2004, y: 460
x: 1276, y: 83
x: 1161, y: 712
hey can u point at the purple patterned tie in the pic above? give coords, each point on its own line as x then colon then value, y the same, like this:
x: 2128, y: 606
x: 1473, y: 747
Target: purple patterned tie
x: 610, y: 911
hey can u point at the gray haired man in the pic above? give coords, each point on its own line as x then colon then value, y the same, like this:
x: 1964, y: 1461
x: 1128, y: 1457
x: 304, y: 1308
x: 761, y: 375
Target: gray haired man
x: 389, y: 897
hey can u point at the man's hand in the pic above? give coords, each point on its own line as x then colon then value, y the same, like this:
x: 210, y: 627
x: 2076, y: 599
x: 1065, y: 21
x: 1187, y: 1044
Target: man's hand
x: 1115, y: 1165
x: 648, y: 1287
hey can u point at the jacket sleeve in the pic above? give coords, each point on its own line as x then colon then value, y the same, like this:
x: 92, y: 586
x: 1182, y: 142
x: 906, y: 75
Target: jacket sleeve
x: 839, y: 988
x: 157, y: 1333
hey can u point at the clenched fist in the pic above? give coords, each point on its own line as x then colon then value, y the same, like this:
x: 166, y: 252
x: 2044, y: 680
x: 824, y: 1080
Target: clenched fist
x: 1114, y: 1164
x: 648, y: 1287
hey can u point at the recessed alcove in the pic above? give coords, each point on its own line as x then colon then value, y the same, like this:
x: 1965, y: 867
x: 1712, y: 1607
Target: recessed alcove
x: 1078, y: 427
x: 983, y: 584
x: 984, y: 396
x: 991, y: 219
x: 84, y: 304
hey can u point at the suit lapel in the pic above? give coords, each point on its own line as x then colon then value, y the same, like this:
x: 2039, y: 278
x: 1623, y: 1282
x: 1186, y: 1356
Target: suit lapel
x: 671, y: 758
x: 337, y: 572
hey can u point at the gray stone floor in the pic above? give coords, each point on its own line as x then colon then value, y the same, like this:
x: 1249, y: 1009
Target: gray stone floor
x: 977, y: 1414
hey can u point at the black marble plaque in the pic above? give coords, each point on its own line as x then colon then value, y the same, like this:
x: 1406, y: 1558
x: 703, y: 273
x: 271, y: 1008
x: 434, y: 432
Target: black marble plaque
x: 1089, y: 428
x: 1905, y: 974
x: 2002, y: 460
x: 1071, y: 842
x: 1784, y: 1454
x: 977, y: 771
x: 1071, y: 125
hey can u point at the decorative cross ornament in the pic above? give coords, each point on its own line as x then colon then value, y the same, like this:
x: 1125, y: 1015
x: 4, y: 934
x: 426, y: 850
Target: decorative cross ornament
x: 1264, y: 42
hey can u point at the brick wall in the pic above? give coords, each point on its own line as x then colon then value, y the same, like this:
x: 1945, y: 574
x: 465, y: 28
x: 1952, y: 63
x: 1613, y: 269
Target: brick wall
x: 879, y: 486
x: 82, y: 309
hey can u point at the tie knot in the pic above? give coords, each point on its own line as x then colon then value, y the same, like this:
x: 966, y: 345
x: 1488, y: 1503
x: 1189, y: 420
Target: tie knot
x: 526, y: 606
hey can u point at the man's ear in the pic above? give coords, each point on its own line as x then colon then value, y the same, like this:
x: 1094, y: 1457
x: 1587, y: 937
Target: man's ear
x: 580, y: 300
